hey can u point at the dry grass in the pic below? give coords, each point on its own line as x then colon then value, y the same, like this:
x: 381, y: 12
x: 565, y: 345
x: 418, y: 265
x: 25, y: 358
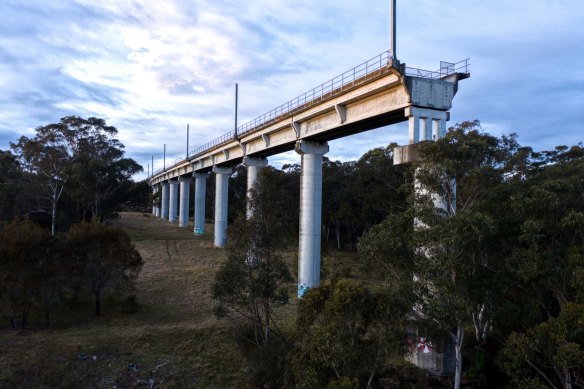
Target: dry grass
x: 173, y: 340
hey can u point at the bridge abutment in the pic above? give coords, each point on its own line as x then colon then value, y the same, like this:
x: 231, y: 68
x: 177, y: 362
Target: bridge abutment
x: 183, y: 214
x: 310, y: 214
x: 200, y: 192
x: 222, y: 175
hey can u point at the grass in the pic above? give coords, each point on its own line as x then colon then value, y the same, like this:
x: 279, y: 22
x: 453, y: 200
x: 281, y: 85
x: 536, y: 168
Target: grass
x: 173, y: 340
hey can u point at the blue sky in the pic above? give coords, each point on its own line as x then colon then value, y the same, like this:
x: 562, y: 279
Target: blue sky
x: 150, y: 67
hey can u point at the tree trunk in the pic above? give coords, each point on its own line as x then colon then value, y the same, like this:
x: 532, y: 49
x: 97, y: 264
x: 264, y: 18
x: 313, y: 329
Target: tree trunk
x: 97, y: 304
x: 567, y: 378
x: 53, y: 215
x: 267, y: 312
x: 339, y: 236
x: 458, y: 339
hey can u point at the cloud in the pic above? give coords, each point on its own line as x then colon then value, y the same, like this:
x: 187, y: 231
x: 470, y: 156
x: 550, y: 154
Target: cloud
x: 150, y: 67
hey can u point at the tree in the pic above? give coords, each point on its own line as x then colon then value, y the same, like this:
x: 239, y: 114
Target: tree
x: 78, y: 155
x: 106, y: 255
x: 346, y: 334
x: 99, y: 170
x: 550, y: 354
x: 254, y: 276
x: 11, y: 176
x: 25, y: 248
x: 454, y: 251
x: 48, y: 156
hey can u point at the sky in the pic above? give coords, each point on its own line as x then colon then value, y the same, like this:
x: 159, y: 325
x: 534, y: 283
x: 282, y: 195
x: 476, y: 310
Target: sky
x: 151, y: 67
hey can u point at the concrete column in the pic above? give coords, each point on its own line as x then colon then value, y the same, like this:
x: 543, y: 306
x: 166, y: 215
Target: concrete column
x: 164, y: 200
x: 183, y: 213
x: 173, y: 201
x: 154, y: 191
x: 310, y: 214
x: 253, y: 165
x: 222, y: 175
x: 200, y: 191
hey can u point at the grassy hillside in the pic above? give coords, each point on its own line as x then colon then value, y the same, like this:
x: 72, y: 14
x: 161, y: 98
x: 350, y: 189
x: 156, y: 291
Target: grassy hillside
x: 172, y: 340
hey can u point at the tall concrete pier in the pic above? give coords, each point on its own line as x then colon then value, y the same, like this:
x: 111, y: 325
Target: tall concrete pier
x: 173, y: 201
x: 310, y: 214
x: 183, y: 209
x: 200, y: 192
x: 164, y: 200
x: 222, y: 175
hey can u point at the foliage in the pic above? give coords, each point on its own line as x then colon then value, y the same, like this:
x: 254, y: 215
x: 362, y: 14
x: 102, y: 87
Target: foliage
x: 81, y: 157
x: 26, y: 251
x: 371, y: 189
x: 254, y: 276
x: 107, y: 257
x: 346, y: 334
x: 548, y: 354
x: 11, y: 175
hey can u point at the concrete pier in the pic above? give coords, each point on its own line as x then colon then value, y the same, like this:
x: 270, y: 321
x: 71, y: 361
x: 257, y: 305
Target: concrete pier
x: 253, y: 165
x: 200, y: 192
x: 173, y: 201
x: 164, y: 200
x: 222, y: 175
x: 310, y: 214
x: 183, y: 209
x: 154, y: 191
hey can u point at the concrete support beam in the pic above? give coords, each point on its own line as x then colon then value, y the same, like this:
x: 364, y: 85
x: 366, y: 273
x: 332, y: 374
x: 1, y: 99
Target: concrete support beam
x: 183, y: 212
x: 222, y: 175
x: 310, y: 214
x: 173, y: 201
x: 200, y: 191
x: 164, y: 200
x: 253, y: 165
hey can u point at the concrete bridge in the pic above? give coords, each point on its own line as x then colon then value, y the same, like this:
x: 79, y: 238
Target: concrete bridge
x: 376, y: 93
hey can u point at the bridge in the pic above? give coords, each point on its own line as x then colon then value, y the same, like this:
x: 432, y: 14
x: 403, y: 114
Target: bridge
x: 376, y: 93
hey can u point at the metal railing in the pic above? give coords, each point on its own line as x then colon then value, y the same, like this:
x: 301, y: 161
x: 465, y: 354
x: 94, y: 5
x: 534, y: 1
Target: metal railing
x: 325, y: 90
x: 215, y: 142
x: 446, y: 69
x: 333, y: 87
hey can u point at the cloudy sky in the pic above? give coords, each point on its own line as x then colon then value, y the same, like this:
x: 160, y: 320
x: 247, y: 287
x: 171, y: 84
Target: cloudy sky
x: 150, y: 67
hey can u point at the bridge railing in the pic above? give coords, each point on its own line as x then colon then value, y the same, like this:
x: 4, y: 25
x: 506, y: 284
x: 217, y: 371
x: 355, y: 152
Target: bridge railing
x: 323, y: 91
x: 326, y: 90
x: 446, y: 69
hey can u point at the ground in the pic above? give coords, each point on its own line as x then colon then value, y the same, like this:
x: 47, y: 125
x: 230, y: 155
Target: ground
x: 172, y: 340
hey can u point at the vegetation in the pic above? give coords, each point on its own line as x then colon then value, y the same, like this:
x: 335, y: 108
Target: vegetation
x: 77, y: 158
x: 480, y: 245
x: 38, y: 272
x: 255, y: 277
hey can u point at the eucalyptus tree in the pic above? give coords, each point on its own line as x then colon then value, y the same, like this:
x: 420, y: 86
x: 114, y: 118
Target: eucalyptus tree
x: 254, y: 275
x: 455, y: 255
x: 80, y: 156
